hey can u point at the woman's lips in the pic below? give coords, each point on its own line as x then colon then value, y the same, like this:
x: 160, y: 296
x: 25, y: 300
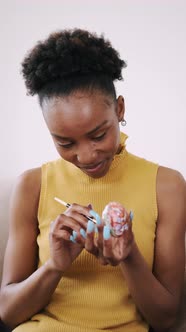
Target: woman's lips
x: 93, y: 168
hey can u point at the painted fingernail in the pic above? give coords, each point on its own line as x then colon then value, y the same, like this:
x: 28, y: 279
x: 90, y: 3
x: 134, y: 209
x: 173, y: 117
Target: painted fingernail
x: 90, y: 206
x: 74, y: 233
x: 106, y: 232
x: 126, y: 227
x: 90, y: 226
x: 131, y: 215
x: 51, y: 223
x: 72, y: 239
x: 83, y: 233
x: 96, y: 216
x: 96, y: 229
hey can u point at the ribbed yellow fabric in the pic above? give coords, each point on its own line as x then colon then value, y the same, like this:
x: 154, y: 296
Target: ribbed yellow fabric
x: 91, y: 297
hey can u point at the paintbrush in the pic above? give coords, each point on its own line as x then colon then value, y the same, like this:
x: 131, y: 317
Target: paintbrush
x: 68, y: 205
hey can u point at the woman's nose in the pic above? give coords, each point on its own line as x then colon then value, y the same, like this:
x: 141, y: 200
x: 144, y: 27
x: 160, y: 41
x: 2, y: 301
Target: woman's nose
x: 86, y: 155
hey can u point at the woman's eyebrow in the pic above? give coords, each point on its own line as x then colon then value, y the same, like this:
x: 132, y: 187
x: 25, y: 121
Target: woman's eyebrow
x: 89, y: 133
x: 97, y: 127
x: 60, y: 137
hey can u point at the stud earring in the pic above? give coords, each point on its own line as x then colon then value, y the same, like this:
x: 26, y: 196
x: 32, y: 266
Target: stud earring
x: 123, y: 122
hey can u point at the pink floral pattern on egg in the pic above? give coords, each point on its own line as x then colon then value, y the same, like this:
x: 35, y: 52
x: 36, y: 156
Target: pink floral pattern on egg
x: 115, y: 216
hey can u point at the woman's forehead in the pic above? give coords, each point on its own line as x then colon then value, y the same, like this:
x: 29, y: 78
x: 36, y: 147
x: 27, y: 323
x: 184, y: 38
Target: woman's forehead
x: 80, y: 111
x: 78, y: 105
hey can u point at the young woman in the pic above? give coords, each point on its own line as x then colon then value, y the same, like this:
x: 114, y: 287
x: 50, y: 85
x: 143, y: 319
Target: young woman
x: 62, y: 272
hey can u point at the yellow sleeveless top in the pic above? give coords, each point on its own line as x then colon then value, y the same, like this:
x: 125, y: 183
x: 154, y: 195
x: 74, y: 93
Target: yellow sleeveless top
x: 91, y: 297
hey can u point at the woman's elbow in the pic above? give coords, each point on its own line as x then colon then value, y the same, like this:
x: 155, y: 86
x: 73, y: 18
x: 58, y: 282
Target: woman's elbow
x: 167, y: 321
x: 4, y: 312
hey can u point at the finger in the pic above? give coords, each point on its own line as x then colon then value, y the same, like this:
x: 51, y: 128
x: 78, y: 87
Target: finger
x: 108, y: 247
x: 89, y: 242
x: 56, y: 228
x: 78, y: 210
x: 73, y: 237
x: 98, y: 239
x: 103, y: 261
x: 107, y: 242
x: 128, y: 236
x: 52, y: 224
x: 73, y: 222
x: 67, y: 228
x: 66, y: 222
x: 96, y: 216
x: 60, y: 234
x: 80, y: 218
x: 131, y: 215
x: 79, y: 238
x: 106, y: 232
x: 127, y: 233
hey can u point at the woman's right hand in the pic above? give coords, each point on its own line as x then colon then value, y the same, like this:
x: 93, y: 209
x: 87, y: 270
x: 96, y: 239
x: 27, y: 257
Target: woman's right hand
x: 67, y: 236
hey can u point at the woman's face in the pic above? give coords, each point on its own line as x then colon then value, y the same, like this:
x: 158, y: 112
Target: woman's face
x: 85, y: 129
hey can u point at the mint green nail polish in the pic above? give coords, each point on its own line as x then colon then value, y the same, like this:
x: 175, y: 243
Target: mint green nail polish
x: 83, y: 233
x: 96, y: 216
x: 131, y: 215
x: 96, y: 229
x: 90, y: 226
x: 106, y: 232
x: 74, y: 233
x: 72, y: 239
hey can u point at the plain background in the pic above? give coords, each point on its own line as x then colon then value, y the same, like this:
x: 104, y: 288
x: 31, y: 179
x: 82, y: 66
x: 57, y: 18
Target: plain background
x: 149, y: 35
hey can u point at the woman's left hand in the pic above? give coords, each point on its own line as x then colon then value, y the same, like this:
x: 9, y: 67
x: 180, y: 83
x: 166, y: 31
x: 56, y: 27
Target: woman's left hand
x: 107, y: 248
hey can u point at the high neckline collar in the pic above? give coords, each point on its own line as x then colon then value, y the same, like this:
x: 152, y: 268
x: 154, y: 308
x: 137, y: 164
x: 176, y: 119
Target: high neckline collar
x: 115, y: 163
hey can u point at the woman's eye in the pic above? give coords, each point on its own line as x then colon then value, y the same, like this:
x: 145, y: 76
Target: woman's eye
x: 65, y: 146
x: 100, y: 137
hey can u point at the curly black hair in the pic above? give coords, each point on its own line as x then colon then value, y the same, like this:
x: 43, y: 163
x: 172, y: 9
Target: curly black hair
x: 70, y: 60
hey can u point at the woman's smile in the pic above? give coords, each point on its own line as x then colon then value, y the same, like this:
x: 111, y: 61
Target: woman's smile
x: 89, y: 144
x: 95, y: 169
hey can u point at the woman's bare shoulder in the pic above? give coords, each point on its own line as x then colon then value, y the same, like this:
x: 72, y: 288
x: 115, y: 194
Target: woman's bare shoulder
x: 170, y: 178
x: 169, y: 255
x: 171, y: 195
x: 23, y: 228
x: 30, y: 180
x: 25, y: 200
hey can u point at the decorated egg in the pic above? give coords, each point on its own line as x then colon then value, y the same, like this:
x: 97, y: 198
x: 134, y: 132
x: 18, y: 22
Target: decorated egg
x: 115, y: 216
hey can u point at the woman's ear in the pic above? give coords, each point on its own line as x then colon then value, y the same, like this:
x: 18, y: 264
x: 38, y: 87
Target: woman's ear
x: 120, y: 108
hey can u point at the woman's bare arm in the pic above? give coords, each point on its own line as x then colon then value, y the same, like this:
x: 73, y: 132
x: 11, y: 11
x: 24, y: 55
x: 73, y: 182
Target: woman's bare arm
x: 25, y: 290
x: 158, y: 294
